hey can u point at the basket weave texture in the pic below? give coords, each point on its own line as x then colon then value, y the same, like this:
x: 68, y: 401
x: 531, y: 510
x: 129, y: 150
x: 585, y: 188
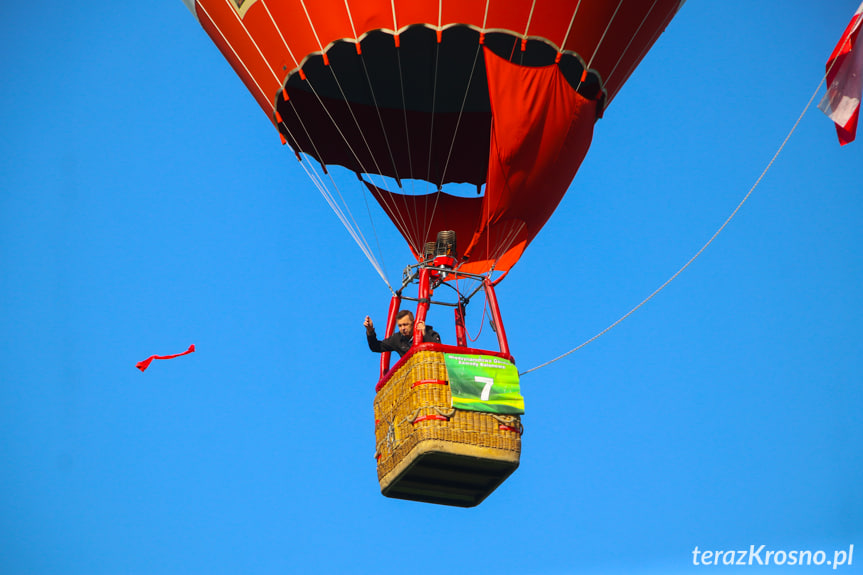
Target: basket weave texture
x: 415, y: 405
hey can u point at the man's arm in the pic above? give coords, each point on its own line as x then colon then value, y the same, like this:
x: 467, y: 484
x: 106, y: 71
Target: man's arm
x: 374, y: 344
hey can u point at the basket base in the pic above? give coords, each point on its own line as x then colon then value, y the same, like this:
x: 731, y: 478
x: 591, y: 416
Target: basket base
x: 449, y: 473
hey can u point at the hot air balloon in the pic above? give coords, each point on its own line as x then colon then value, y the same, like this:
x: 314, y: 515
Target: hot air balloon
x: 502, y: 95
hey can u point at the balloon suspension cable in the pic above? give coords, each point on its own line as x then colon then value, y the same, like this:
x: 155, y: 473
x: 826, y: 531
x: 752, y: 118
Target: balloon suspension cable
x: 454, y: 134
x: 340, y: 206
x: 400, y: 222
x: 425, y: 230
x: 346, y: 219
x: 367, y: 146
x: 415, y: 219
x: 598, y: 44
x: 378, y: 170
x: 375, y: 233
x: 345, y: 140
x: 704, y: 247
x: 625, y: 50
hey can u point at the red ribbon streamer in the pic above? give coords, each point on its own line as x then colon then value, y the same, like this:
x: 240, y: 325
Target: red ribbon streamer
x: 142, y: 365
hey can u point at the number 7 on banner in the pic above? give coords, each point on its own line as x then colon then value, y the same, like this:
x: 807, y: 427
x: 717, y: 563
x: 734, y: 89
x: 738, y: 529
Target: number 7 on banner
x: 486, y: 390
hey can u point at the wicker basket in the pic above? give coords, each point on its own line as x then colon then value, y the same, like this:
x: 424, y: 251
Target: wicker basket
x: 428, y: 451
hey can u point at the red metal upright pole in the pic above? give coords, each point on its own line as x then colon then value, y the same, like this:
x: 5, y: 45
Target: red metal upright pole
x: 424, y: 298
x: 460, y: 332
x: 495, y: 314
x: 395, y: 303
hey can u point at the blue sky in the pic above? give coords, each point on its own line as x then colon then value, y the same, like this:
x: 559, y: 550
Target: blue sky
x: 146, y: 204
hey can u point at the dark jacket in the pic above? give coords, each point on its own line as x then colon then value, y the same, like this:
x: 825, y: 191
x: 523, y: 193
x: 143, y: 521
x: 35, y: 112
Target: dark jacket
x: 400, y: 343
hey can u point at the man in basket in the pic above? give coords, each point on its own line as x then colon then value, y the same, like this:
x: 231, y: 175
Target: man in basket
x: 402, y: 340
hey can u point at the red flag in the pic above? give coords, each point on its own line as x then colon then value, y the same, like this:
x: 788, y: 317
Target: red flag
x: 845, y: 81
x: 142, y: 365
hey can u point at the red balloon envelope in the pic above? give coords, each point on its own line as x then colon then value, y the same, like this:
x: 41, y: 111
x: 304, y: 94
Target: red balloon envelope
x: 498, y: 93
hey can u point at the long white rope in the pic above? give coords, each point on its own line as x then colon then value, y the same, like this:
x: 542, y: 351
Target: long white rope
x: 569, y: 29
x: 237, y: 56
x: 460, y: 113
x: 399, y: 221
x: 430, y: 217
x: 346, y: 219
x: 391, y: 206
x: 353, y: 230
x: 631, y: 40
x: 529, y: 18
x: 507, y: 239
x: 699, y: 252
x: 341, y: 209
x: 645, y: 48
x: 281, y: 35
x: 425, y: 229
x: 413, y: 213
x: 598, y: 44
x: 363, y: 137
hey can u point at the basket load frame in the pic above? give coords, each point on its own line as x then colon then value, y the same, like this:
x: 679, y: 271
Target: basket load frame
x: 430, y: 447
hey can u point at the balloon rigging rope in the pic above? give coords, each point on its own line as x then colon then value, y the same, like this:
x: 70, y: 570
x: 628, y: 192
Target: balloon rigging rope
x: 460, y: 113
x: 699, y: 252
x: 375, y: 232
x: 507, y: 240
x: 412, y: 213
x: 371, y: 89
x: 631, y: 40
x: 415, y: 218
x: 425, y: 229
x: 529, y: 18
x: 353, y: 230
x: 568, y: 30
x: 343, y: 212
x: 454, y: 134
x: 347, y: 219
x: 279, y: 30
x: 237, y: 56
x: 401, y: 223
x: 340, y: 207
x: 656, y: 34
x: 399, y: 215
x: 598, y: 44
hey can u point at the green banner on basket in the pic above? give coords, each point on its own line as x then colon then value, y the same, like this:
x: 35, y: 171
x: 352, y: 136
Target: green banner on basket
x: 484, y: 383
